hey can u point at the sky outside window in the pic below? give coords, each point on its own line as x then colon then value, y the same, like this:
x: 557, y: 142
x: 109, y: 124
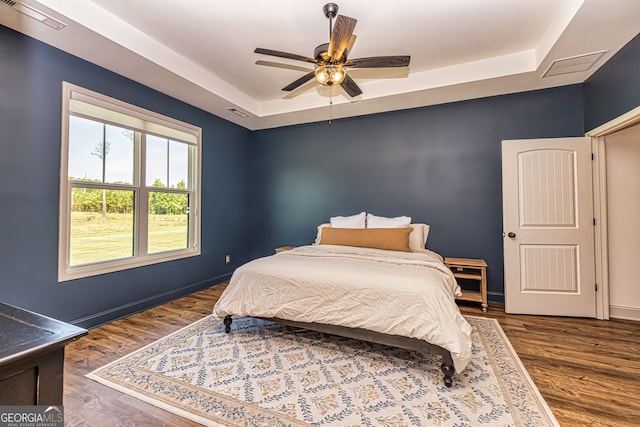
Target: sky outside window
x: 167, y: 161
x: 86, y: 147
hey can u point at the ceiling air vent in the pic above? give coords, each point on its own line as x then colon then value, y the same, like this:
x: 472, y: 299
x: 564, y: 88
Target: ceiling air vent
x: 34, y: 13
x: 574, y: 64
x: 238, y: 112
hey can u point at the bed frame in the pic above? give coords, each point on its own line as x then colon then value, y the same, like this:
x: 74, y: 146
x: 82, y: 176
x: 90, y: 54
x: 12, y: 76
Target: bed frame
x: 375, y: 337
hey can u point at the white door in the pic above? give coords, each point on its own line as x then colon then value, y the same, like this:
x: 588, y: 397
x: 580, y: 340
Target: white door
x: 548, y: 227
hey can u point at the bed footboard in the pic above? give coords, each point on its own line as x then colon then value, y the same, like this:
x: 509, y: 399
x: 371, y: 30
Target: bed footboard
x: 362, y: 334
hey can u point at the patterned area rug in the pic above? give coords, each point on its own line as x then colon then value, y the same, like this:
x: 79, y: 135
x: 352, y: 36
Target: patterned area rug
x: 266, y: 374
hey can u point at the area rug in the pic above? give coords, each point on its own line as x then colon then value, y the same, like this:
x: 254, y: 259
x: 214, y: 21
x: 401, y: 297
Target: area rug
x: 267, y: 374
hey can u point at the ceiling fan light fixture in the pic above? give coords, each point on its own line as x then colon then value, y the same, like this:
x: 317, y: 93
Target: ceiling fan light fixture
x: 329, y: 75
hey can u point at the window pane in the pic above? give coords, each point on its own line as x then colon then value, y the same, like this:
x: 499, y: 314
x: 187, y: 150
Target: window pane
x: 102, y: 225
x: 157, y: 155
x: 178, y: 164
x: 119, y: 149
x: 168, y: 222
x: 167, y: 163
x: 84, y: 135
x: 100, y: 152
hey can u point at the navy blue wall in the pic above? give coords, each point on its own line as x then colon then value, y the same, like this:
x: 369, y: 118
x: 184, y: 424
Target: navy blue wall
x: 441, y: 165
x: 615, y: 88
x: 31, y: 75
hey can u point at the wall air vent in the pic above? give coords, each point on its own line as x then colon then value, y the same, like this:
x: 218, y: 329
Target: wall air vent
x: 574, y: 64
x: 34, y: 13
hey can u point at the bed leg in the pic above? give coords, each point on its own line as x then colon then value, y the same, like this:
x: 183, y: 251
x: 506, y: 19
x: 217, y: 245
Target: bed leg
x: 227, y: 324
x: 448, y: 372
x: 447, y: 369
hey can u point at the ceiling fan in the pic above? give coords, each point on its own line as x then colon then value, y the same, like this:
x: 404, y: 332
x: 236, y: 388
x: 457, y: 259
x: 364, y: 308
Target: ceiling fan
x: 330, y: 59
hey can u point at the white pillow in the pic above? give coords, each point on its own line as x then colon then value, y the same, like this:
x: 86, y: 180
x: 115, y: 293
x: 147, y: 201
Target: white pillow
x: 418, y: 237
x: 353, y: 221
x: 319, y: 235
x: 374, y: 221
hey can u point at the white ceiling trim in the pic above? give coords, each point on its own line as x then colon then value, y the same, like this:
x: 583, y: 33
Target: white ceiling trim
x: 112, y: 28
x: 566, y: 13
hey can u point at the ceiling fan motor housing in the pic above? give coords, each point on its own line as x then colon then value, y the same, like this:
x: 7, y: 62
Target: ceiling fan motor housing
x: 321, y: 54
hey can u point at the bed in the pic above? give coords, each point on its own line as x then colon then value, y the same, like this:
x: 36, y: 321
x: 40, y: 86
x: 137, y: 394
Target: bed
x: 402, y: 298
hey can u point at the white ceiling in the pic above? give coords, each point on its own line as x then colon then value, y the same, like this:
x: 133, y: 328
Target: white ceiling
x: 201, y: 51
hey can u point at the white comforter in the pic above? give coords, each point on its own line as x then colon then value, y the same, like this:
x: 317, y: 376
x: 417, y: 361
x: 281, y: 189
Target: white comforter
x: 395, y: 293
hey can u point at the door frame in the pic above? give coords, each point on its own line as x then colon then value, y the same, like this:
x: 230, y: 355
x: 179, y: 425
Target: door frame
x: 600, y: 203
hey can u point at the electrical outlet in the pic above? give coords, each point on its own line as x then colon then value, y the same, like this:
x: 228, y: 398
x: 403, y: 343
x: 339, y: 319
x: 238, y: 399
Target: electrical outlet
x: 227, y: 259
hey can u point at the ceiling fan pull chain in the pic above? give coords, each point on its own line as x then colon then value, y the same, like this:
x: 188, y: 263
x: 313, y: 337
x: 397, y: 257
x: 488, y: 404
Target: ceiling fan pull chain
x: 330, y: 108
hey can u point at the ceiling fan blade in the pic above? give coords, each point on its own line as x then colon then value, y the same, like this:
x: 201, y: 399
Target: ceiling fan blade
x: 302, y: 80
x: 340, y: 35
x: 284, y: 55
x: 379, y: 62
x: 282, y: 65
x: 352, y: 41
x: 350, y: 86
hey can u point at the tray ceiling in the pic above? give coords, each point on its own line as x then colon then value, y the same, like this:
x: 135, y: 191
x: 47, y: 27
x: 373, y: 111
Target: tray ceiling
x: 201, y: 51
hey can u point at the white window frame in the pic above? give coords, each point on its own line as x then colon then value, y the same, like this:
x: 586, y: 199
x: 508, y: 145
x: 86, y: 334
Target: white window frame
x: 85, y: 103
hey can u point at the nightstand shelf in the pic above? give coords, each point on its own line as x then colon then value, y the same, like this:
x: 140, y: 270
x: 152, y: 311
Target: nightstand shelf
x: 471, y: 269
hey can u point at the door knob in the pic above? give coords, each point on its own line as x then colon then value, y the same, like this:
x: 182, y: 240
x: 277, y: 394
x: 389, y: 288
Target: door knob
x: 511, y: 234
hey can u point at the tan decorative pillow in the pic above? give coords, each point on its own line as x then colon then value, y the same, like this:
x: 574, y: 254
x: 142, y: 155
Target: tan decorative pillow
x: 391, y: 239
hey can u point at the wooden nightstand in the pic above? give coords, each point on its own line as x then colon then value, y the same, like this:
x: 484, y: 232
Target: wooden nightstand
x: 471, y: 269
x: 284, y: 248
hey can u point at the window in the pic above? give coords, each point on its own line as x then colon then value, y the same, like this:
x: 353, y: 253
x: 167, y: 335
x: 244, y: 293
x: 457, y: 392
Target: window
x: 129, y: 187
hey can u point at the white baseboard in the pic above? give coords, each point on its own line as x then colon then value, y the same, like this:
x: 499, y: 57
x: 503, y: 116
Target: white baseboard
x: 624, y: 312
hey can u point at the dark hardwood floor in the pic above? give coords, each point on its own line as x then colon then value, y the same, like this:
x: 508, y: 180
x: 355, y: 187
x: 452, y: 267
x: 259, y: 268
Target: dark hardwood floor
x: 588, y: 371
